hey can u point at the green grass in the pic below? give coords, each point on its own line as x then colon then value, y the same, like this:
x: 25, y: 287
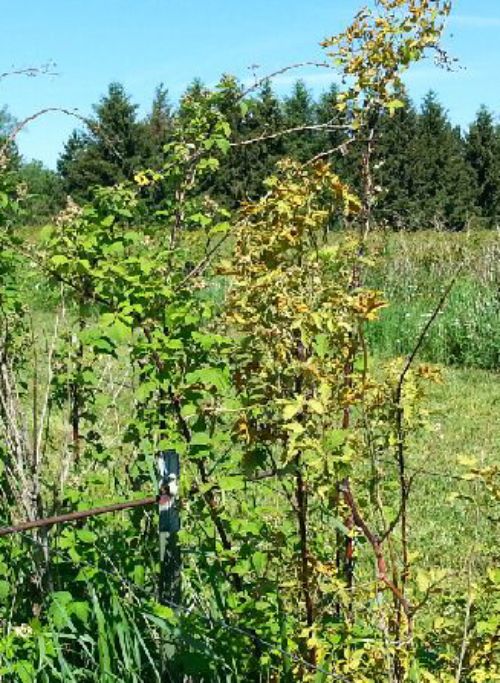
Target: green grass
x: 413, y: 270
x: 464, y: 413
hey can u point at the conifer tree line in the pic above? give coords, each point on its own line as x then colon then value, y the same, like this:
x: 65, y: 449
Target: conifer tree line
x: 428, y: 172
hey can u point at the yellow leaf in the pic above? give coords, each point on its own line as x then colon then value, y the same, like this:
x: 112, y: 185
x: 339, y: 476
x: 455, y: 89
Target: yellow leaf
x: 316, y: 406
x: 291, y: 409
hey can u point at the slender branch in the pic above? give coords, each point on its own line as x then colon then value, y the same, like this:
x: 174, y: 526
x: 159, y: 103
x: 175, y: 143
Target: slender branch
x: 75, y: 516
x: 423, y: 334
x: 399, y: 514
x: 92, y: 125
x: 375, y: 543
x: 302, y: 509
x: 204, y: 263
x: 30, y: 71
x: 318, y: 127
x: 264, y: 79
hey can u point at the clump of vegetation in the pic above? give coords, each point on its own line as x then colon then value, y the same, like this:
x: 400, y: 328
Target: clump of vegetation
x: 412, y: 270
x: 240, y: 338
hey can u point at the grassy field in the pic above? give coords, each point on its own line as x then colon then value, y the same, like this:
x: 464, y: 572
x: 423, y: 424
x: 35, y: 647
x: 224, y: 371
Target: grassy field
x: 465, y: 413
x: 413, y: 270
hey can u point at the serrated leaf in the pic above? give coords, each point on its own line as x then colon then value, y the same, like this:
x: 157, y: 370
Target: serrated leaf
x: 231, y: 483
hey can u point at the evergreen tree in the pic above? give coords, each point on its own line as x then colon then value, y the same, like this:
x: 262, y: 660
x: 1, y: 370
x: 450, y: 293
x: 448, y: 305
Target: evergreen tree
x: 157, y: 128
x: 7, y: 125
x: 299, y: 110
x: 483, y: 154
x: 110, y: 151
x: 229, y: 184
x: 444, y: 186
x: 263, y: 120
x: 396, y: 166
x: 246, y: 166
x: 75, y: 167
x: 160, y: 119
x: 45, y: 196
x: 195, y: 90
x: 267, y: 120
x: 345, y: 161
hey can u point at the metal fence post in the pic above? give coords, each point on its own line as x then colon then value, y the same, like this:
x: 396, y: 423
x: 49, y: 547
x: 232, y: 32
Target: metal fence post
x: 169, y: 525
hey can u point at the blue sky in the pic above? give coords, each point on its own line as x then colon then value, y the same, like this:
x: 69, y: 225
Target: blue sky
x: 144, y: 42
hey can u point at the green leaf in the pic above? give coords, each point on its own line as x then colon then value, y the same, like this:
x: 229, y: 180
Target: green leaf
x: 316, y: 406
x: 395, y: 104
x: 4, y: 590
x: 145, y: 390
x: 86, y: 574
x: 25, y: 671
x: 200, y: 439
x: 210, y: 377
x: 108, y: 221
x: 223, y: 144
x: 295, y: 427
x: 231, y: 483
x: 422, y: 580
x: 219, y: 228
x: 81, y: 610
x: 59, y: 260
x: 335, y: 438
x: 259, y: 561
x: 291, y: 409
x: 118, y: 331
x: 86, y: 536
x: 164, y: 612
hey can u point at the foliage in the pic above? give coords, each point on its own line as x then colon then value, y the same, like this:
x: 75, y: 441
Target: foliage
x: 412, y: 269
x: 239, y: 339
x: 44, y: 193
x: 483, y: 153
x: 444, y: 184
x: 111, y: 149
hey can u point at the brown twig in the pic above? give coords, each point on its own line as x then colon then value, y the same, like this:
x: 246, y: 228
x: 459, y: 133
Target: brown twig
x: 376, y: 545
x: 92, y: 125
x: 31, y: 71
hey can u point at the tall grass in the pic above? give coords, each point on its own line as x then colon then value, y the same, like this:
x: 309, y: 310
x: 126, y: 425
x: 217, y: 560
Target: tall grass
x: 413, y: 270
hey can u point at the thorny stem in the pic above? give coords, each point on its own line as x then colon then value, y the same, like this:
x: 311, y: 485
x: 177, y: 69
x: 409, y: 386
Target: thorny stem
x: 302, y: 510
x: 404, y: 483
x: 376, y: 545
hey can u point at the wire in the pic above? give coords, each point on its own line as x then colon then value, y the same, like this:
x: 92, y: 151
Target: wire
x: 425, y: 472
x: 116, y: 507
